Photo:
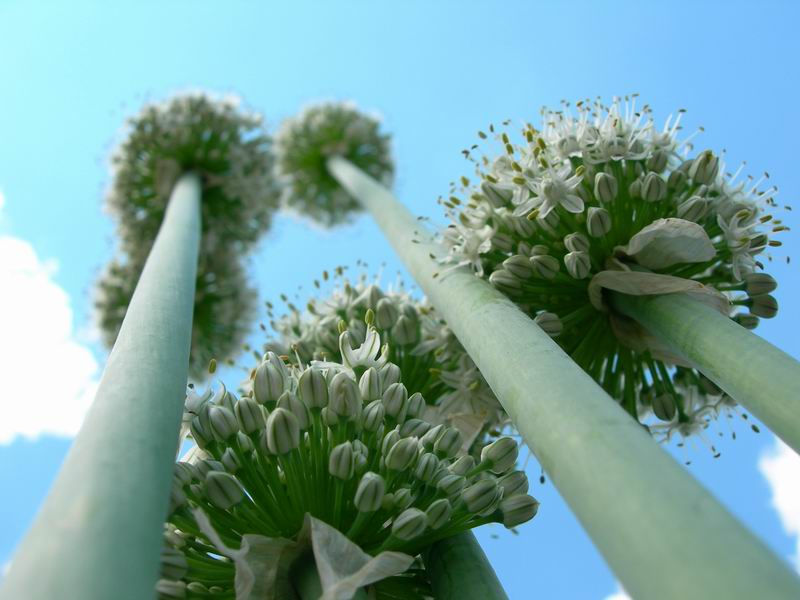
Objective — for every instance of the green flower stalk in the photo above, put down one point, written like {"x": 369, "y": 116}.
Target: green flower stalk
{"x": 599, "y": 203}
{"x": 303, "y": 146}
{"x": 344, "y": 443}
{"x": 430, "y": 357}
{"x": 230, "y": 152}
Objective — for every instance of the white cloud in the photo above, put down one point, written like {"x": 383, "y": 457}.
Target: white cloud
{"x": 781, "y": 468}
{"x": 48, "y": 378}
{"x": 619, "y": 594}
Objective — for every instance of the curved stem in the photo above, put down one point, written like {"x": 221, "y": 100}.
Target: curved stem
{"x": 459, "y": 570}
{"x": 753, "y": 372}
{"x": 99, "y": 533}
{"x": 661, "y": 532}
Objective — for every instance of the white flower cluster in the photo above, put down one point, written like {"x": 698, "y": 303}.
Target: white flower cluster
{"x": 432, "y": 360}
{"x": 601, "y": 200}
{"x": 306, "y": 142}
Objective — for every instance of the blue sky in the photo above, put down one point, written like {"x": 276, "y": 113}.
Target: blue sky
{"x": 437, "y": 72}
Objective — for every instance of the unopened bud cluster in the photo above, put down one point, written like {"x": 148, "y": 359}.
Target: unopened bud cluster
{"x": 305, "y": 143}
{"x": 434, "y": 362}
{"x": 351, "y": 450}
{"x": 601, "y": 188}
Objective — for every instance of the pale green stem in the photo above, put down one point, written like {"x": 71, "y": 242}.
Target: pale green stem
{"x": 305, "y": 580}
{"x": 459, "y": 570}
{"x": 752, "y": 371}
{"x": 661, "y": 532}
{"x": 99, "y": 533}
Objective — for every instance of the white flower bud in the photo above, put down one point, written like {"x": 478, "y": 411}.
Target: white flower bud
{"x": 518, "y": 509}
{"x": 270, "y": 379}
{"x": 370, "y": 385}
{"x": 345, "y": 400}
{"x": 390, "y": 373}
{"x": 329, "y": 418}
{"x": 519, "y": 266}
{"x": 513, "y": 483}
{"x": 654, "y": 188}
{"x": 416, "y": 405}
{"x": 451, "y": 485}
{"x": 283, "y": 431}
{"x": 502, "y": 242}
{"x": 758, "y": 284}
{"x": 200, "y": 428}
{"x": 389, "y": 440}
{"x": 386, "y": 314}
{"x": 438, "y": 513}
{"x": 394, "y": 400}
{"x": 405, "y": 331}
{"x": 746, "y": 320}
{"x": 657, "y": 161}
{"x": 501, "y": 454}
{"x": 341, "y": 463}
{"x": 372, "y": 416}
{"x": 245, "y": 443}
{"x": 693, "y": 209}
{"x": 677, "y": 180}
{"x": 313, "y": 389}
{"x": 205, "y": 466}
{"x": 361, "y": 463}
{"x": 172, "y": 590}
{"x": 402, "y": 454}
{"x": 223, "y": 423}
{"x": 429, "y": 439}
{"x": 230, "y": 460}
{"x": 598, "y": 221}
{"x": 197, "y": 587}
{"x": 764, "y": 306}
{"x": 704, "y": 168}
{"x": 498, "y": 195}
{"x": 414, "y": 428}
{"x": 578, "y": 264}
{"x": 504, "y": 280}
{"x": 480, "y": 495}
{"x": 250, "y": 415}
{"x": 664, "y": 407}
{"x": 550, "y": 323}
{"x": 544, "y": 265}
{"x": 449, "y": 443}
{"x": 370, "y": 491}
{"x": 462, "y": 465}
{"x": 403, "y": 498}
{"x": 576, "y": 242}
{"x": 184, "y": 472}
{"x": 223, "y": 490}
{"x": 411, "y": 523}
{"x": 290, "y": 402}
{"x": 635, "y": 189}
{"x": 225, "y": 398}
{"x": 605, "y": 187}
{"x": 426, "y": 468}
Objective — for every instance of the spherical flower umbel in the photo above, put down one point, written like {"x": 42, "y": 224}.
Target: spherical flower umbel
{"x": 224, "y": 306}
{"x": 436, "y": 368}
{"x": 600, "y": 199}
{"x": 382, "y": 486}
{"x": 226, "y": 146}
{"x": 305, "y": 143}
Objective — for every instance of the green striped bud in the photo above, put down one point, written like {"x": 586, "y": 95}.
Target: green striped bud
{"x": 223, "y": 423}
{"x": 550, "y": 323}
{"x": 704, "y": 168}
{"x": 405, "y": 331}
{"x": 270, "y": 379}
{"x": 403, "y": 498}
{"x": 411, "y": 523}
{"x": 223, "y": 490}
{"x": 605, "y": 187}
{"x": 426, "y": 468}
{"x": 173, "y": 563}
{"x": 370, "y": 385}
{"x": 290, "y": 402}
{"x": 345, "y": 400}
{"x": 414, "y": 428}
{"x": 341, "y": 463}
{"x": 500, "y": 455}
{"x": 250, "y": 415}
{"x": 372, "y": 416}
{"x": 505, "y": 280}
{"x": 312, "y": 388}
{"x": 390, "y": 373}
{"x": 389, "y": 440}
{"x": 576, "y": 242}
{"x": 518, "y": 510}
{"x": 513, "y": 483}
{"x": 598, "y": 221}
{"x": 416, "y": 406}
{"x": 519, "y": 266}
{"x": 386, "y": 314}
{"x": 664, "y": 407}
{"x": 283, "y": 431}
{"x": 578, "y": 264}
{"x": 230, "y": 460}
{"x": 370, "y": 491}
{"x": 402, "y": 454}
{"x": 438, "y": 513}
{"x": 429, "y": 439}
{"x": 394, "y": 400}
{"x": 462, "y": 465}
{"x": 764, "y": 306}
{"x": 693, "y": 209}
{"x": 758, "y": 284}
{"x": 654, "y": 188}
{"x": 480, "y": 495}
{"x": 545, "y": 266}
{"x": 451, "y": 485}
{"x": 449, "y": 443}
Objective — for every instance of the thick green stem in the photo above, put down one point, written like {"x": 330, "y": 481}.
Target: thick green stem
{"x": 306, "y": 583}
{"x": 661, "y": 532}
{"x": 752, "y": 371}
{"x": 99, "y": 533}
{"x": 459, "y": 570}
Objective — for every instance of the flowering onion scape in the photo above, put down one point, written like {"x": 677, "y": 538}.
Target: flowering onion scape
{"x": 602, "y": 200}
{"x": 432, "y": 360}
{"x": 303, "y": 146}
{"x": 224, "y": 306}
{"x": 343, "y": 442}
{"x": 232, "y": 155}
